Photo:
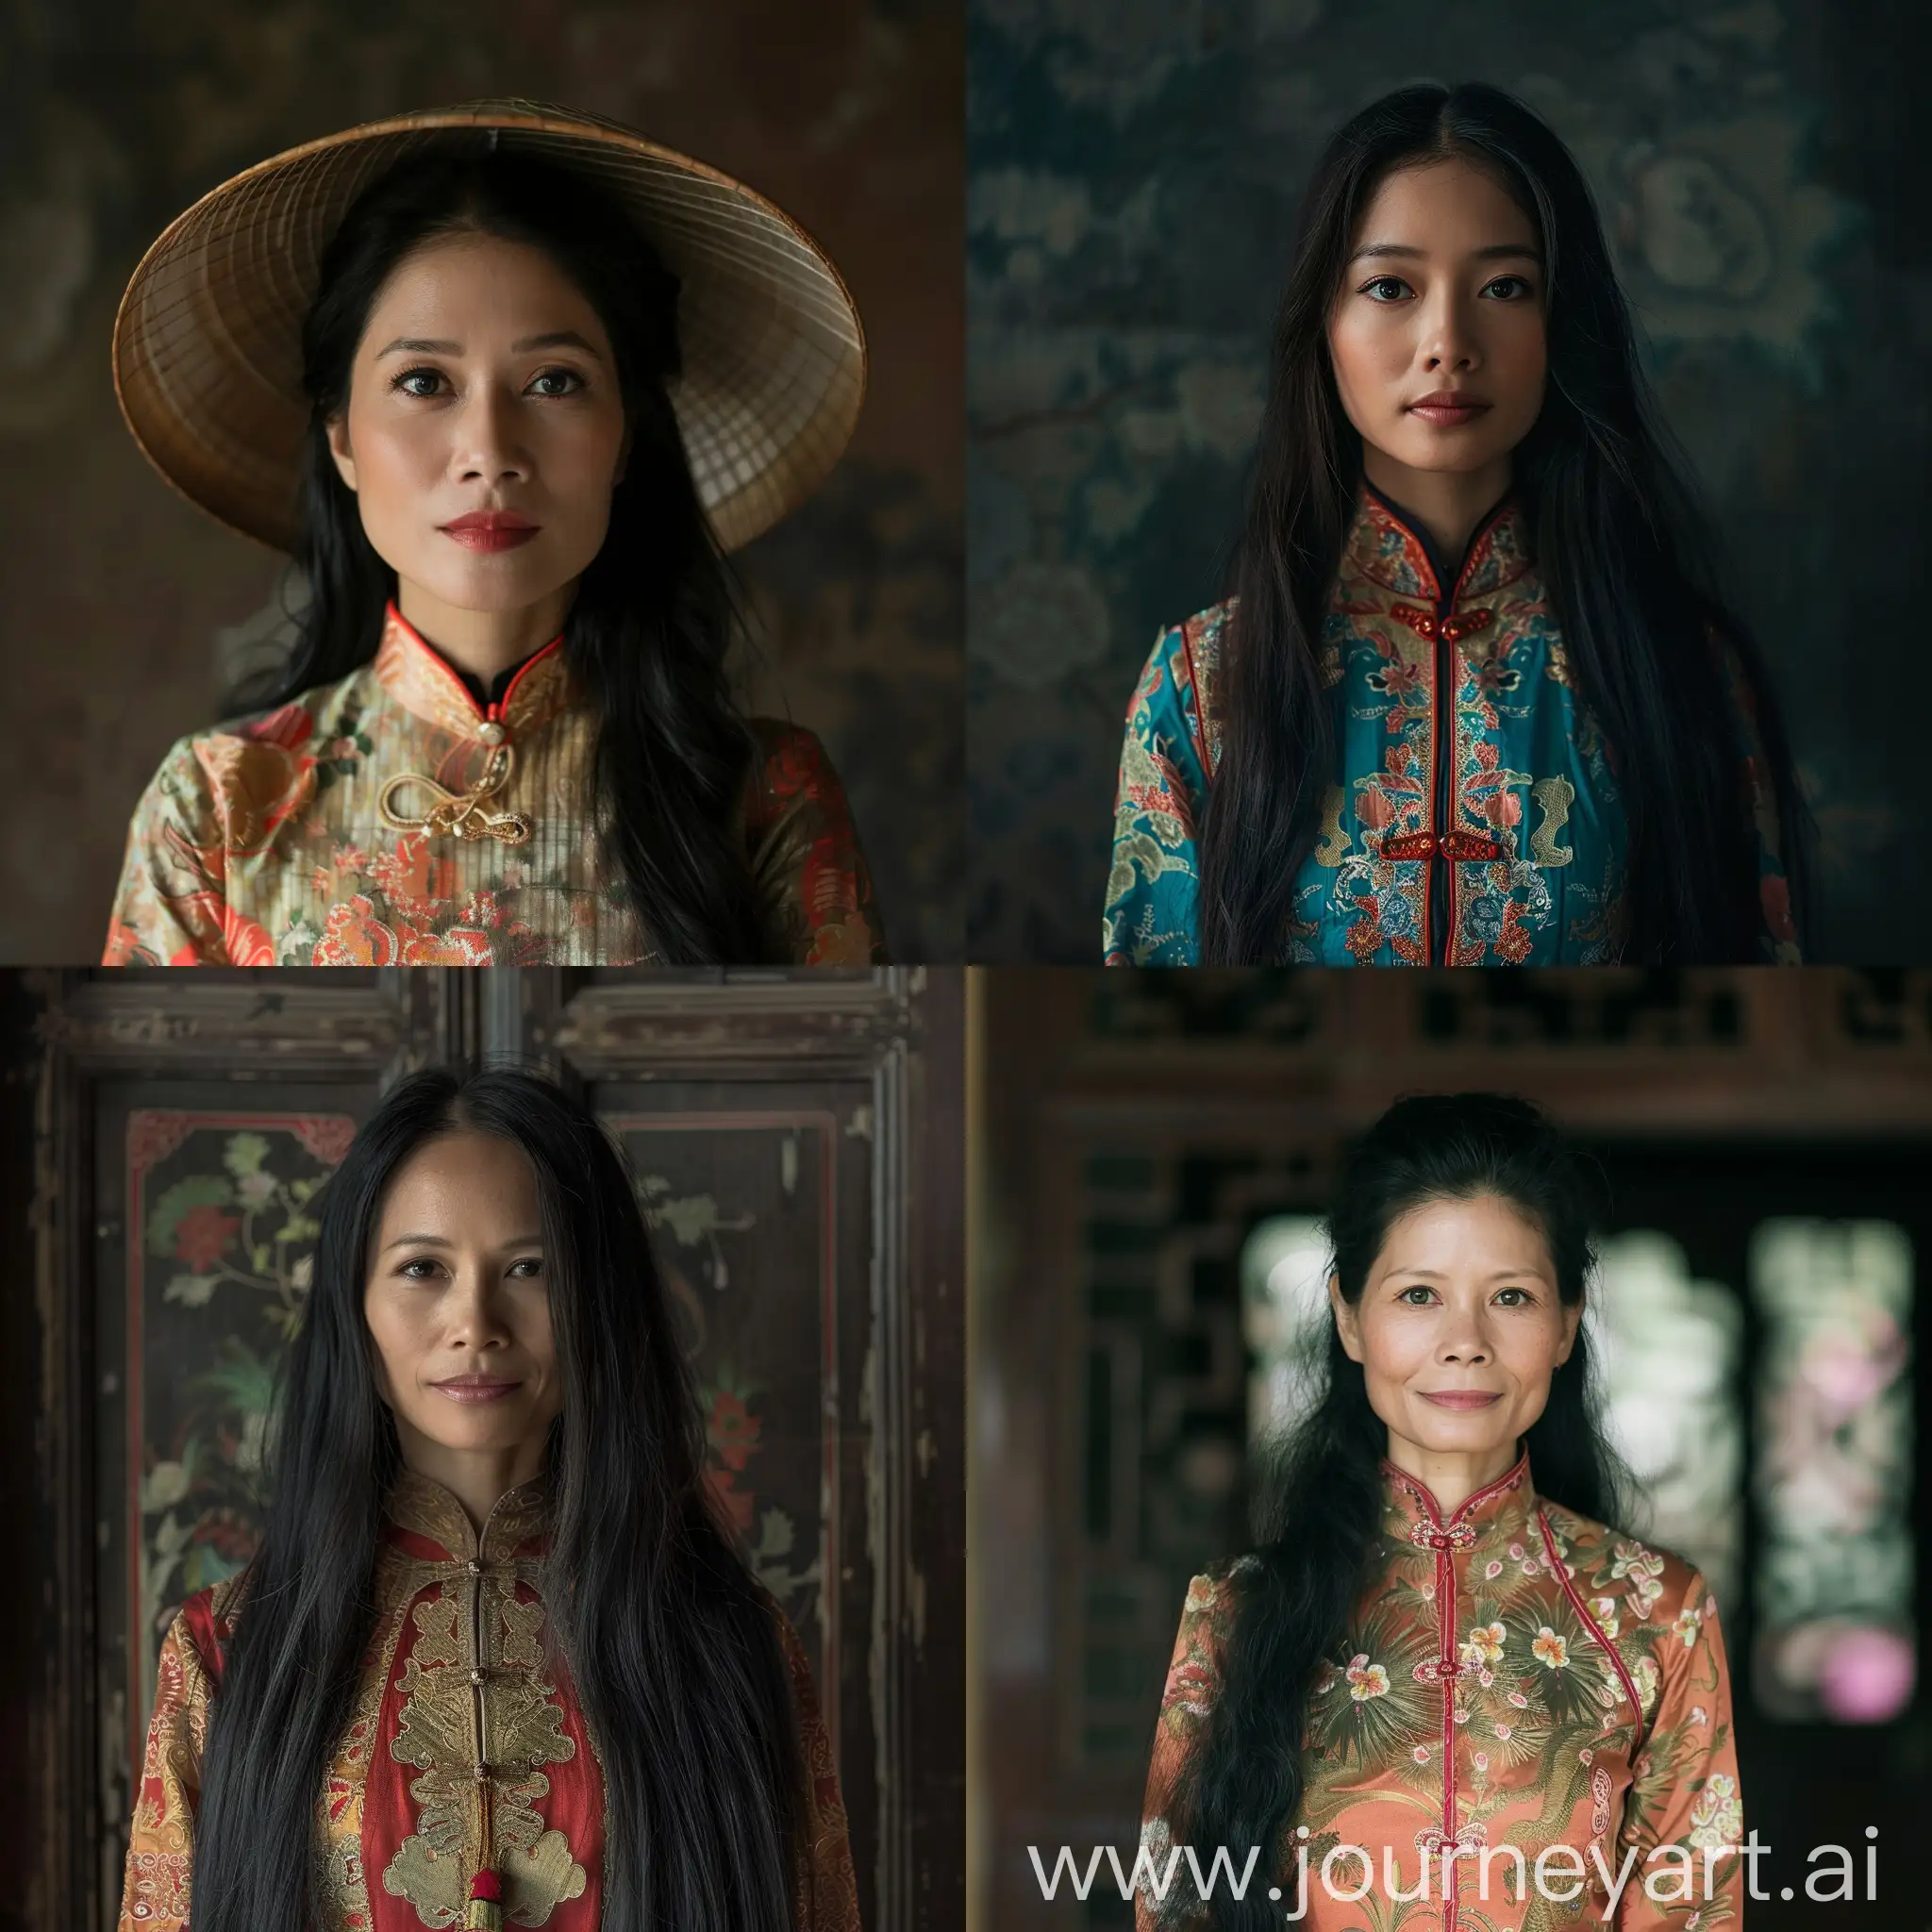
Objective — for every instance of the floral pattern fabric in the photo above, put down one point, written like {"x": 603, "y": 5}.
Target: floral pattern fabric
{"x": 308, "y": 835}
{"x": 455, "y": 1682}
{"x": 1475, "y": 817}
{"x": 1516, "y": 1679}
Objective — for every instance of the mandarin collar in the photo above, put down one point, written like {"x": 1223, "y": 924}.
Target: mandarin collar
{"x": 425, "y": 1508}
{"x": 426, "y": 685}
{"x": 1500, "y": 1511}
{"x": 1386, "y": 547}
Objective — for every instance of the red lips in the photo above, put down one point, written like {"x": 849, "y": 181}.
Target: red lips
{"x": 490, "y": 529}
{"x": 1447, "y": 407}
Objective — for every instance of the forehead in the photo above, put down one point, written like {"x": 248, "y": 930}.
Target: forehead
{"x": 480, "y": 285}
{"x": 1444, "y": 208}
{"x": 1483, "y": 1235}
{"x": 460, "y": 1182}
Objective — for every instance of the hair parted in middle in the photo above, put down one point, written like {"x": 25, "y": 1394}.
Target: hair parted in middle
{"x": 1616, "y": 530}
{"x": 671, "y": 1645}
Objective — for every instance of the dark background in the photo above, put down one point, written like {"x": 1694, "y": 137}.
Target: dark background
{"x": 117, "y": 114}
{"x": 1134, "y": 170}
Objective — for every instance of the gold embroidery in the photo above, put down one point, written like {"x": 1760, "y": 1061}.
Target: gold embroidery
{"x": 475, "y": 1621}
{"x": 1555, "y": 796}
{"x": 1333, "y": 846}
{"x": 341, "y": 1884}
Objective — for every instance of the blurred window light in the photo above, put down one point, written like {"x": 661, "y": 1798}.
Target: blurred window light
{"x": 1836, "y": 1637}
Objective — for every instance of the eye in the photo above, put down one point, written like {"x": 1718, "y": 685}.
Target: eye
{"x": 409, "y": 377}
{"x": 1418, "y": 1289}
{"x": 529, "y": 1269}
{"x": 1522, "y": 1294}
{"x": 1509, "y": 289}
{"x": 407, "y": 1270}
{"x": 565, "y": 375}
{"x": 1386, "y": 289}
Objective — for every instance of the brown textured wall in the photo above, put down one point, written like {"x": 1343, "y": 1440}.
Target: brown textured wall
{"x": 116, "y": 114}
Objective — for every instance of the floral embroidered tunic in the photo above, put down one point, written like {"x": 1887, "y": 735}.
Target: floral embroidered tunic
{"x": 1515, "y": 1678}
{"x": 391, "y": 820}
{"x": 1475, "y": 818}
{"x": 463, "y": 1750}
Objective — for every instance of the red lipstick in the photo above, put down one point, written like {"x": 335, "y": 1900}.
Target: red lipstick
{"x": 475, "y": 1388}
{"x": 1448, "y": 408}
{"x": 491, "y": 530}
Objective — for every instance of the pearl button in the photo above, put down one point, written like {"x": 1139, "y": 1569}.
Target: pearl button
{"x": 491, "y": 732}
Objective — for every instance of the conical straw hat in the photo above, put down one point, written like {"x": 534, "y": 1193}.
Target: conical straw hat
{"x": 208, "y": 357}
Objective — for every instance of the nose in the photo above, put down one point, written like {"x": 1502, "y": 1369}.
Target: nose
{"x": 1464, "y": 1342}
{"x": 476, "y": 1319}
{"x": 1448, "y": 343}
{"x": 487, "y": 446}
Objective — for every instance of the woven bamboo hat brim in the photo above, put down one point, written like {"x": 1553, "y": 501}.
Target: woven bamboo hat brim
{"x": 208, "y": 358}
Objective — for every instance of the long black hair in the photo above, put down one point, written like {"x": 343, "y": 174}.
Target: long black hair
{"x": 674, "y": 1653}
{"x": 655, "y": 612}
{"x": 1319, "y": 1504}
{"x": 1617, "y": 534}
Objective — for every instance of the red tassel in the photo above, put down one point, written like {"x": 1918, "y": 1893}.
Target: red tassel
{"x": 486, "y": 1903}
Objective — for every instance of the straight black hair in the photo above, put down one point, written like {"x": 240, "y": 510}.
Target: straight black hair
{"x": 653, "y": 614}
{"x": 1618, "y": 538}
{"x": 1319, "y": 1499}
{"x": 671, "y": 1645}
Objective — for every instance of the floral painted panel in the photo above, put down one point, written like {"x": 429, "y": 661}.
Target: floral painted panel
{"x": 219, "y": 1227}
{"x": 742, "y": 1206}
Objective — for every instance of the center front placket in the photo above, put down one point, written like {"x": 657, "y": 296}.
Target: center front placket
{"x": 1445, "y": 1538}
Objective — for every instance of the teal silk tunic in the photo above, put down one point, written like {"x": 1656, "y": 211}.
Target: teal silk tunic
{"x": 1474, "y": 818}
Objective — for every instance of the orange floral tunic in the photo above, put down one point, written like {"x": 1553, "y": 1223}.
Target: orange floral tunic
{"x": 390, "y": 819}
{"x": 1518, "y": 1682}
{"x": 453, "y": 1677}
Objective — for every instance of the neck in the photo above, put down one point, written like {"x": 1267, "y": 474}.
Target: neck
{"x": 1452, "y": 1476}
{"x": 483, "y": 642}
{"x": 475, "y": 1477}
{"x": 1448, "y": 503}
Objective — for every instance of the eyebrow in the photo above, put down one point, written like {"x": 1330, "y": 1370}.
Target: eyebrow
{"x": 423, "y": 345}
{"x": 1496, "y": 251}
{"x": 436, "y": 1241}
{"x": 1500, "y": 1274}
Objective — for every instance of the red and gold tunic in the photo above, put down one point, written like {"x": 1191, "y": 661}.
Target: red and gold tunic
{"x": 1517, "y": 1684}
{"x": 465, "y": 1749}
{"x": 390, "y": 819}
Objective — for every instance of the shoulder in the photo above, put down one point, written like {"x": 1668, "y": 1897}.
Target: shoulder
{"x": 790, "y": 761}
{"x": 1180, "y": 669}
{"x": 1638, "y": 1585}
{"x": 206, "y": 1622}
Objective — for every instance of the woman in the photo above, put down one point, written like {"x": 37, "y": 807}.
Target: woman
{"x": 494, "y": 1661}
{"x": 1441, "y": 1668}
{"x": 1473, "y": 699}
{"x": 442, "y": 360}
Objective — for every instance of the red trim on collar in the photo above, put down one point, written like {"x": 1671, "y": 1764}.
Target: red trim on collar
{"x": 435, "y": 657}
{"x": 1518, "y": 1473}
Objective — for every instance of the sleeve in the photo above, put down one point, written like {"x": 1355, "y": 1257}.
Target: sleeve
{"x": 1153, "y": 886}
{"x": 1684, "y": 1803}
{"x": 170, "y": 906}
{"x": 825, "y": 1888}
{"x": 1780, "y": 941}
{"x": 1164, "y": 1894}
{"x": 160, "y": 1845}
{"x": 807, "y": 859}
